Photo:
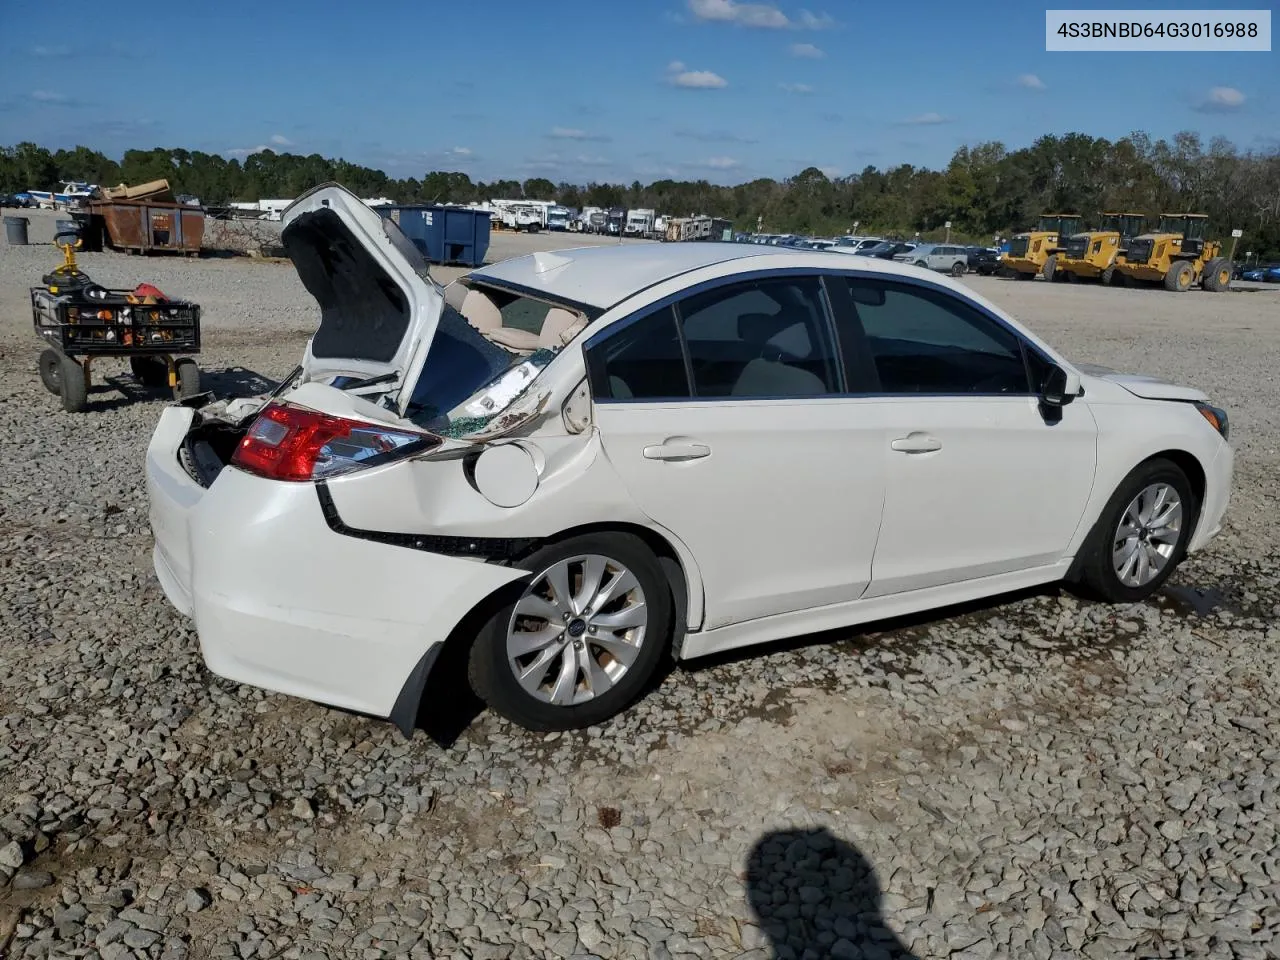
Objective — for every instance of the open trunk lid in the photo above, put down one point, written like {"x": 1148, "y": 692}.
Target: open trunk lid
{"x": 379, "y": 308}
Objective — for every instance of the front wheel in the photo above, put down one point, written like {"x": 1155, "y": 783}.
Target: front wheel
{"x": 1141, "y": 535}
{"x": 959, "y": 269}
{"x": 583, "y": 639}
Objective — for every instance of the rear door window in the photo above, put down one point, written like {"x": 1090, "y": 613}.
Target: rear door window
{"x": 641, "y": 361}
{"x": 760, "y": 339}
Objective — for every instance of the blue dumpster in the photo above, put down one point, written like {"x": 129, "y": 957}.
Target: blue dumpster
{"x": 456, "y": 235}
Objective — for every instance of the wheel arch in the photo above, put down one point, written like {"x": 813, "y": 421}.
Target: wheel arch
{"x": 439, "y": 663}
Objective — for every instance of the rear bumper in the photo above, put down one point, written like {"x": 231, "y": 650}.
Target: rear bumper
{"x": 281, "y": 601}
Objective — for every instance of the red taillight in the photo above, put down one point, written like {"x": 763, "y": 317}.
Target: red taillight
{"x": 293, "y": 443}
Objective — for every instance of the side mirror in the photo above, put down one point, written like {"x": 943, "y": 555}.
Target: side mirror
{"x": 1059, "y": 387}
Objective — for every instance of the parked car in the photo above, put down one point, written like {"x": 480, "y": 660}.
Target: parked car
{"x": 855, "y": 244}
{"x": 569, "y": 465}
{"x": 983, "y": 260}
{"x": 1267, "y": 273}
{"x": 885, "y": 249}
{"x": 19, "y": 200}
{"x": 937, "y": 256}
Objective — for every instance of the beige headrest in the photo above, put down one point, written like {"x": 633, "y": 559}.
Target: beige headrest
{"x": 559, "y": 327}
{"x": 481, "y": 312}
{"x": 454, "y": 294}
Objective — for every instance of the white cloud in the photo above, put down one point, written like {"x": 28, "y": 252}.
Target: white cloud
{"x": 762, "y": 15}
{"x": 743, "y": 14}
{"x": 811, "y": 21}
{"x": 830, "y": 173}
{"x": 722, "y": 163}
{"x": 41, "y": 50}
{"x": 280, "y": 140}
{"x": 806, "y": 51}
{"x": 1030, "y": 81}
{"x": 573, "y": 133}
{"x": 592, "y": 161}
{"x": 458, "y": 152}
{"x": 924, "y": 119}
{"x": 48, "y": 96}
{"x": 1221, "y": 100}
{"x": 247, "y": 151}
{"x": 694, "y": 79}
{"x": 795, "y": 87}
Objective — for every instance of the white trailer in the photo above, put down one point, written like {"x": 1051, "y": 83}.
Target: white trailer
{"x": 640, "y": 223}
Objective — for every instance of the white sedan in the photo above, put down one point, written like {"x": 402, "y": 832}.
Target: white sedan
{"x": 578, "y": 464}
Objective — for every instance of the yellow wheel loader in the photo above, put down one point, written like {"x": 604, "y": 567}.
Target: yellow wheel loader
{"x": 1029, "y": 253}
{"x": 1093, "y": 255}
{"x": 1178, "y": 255}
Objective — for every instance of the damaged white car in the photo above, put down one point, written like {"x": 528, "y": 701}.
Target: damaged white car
{"x": 579, "y": 464}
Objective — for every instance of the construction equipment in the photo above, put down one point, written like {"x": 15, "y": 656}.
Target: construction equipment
{"x": 1093, "y": 254}
{"x": 1178, "y": 255}
{"x": 1029, "y": 252}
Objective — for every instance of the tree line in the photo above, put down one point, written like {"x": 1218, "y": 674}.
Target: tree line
{"x": 986, "y": 190}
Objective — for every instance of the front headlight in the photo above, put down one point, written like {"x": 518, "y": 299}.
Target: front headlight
{"x": 1217, "y": 418}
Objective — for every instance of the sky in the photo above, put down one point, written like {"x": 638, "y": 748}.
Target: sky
{"x": 604, "y": 90}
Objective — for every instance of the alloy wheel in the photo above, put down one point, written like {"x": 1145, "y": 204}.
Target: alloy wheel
{"x": 577, "y": 630}
{"x": 1147, "y": 535}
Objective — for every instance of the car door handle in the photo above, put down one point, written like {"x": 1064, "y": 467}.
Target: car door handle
{"x": 676, "y": 450}
{"x": 917, "y": 443}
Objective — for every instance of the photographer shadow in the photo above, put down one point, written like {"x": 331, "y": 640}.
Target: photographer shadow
{"x": 815, "y": 895}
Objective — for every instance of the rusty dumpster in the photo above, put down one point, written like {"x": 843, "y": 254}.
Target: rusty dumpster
{"x": 141, "y": 226}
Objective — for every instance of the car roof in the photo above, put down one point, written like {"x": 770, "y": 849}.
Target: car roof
{"x": 600, "y": 277}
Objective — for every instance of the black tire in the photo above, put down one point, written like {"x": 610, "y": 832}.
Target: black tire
{"x": 51, "y": 371}
{"x": 75, "y": 392}
{"x": 1024, "y": 275}
{"x": 1107, "y": 277}
{"x": 1096, "y": 574}
{"x": 923, "y": 264}
{"x": 1051, "y": 267}
{"x": 188, "y": 384}
{"x": 1217, "y": 275}
{"x": 959, "y": 268}
{"x": 491, "y": 675}
{"x": 1180, "y": 276}
{"x": 150, "y": 371}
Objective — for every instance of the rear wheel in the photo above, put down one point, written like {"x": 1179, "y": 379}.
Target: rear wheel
{"x": 51, "y": 371}
{"x": 959, "y": 268}
{"x": 1023, "y": 275}
{"x": 1107, "y": 277}
{"x": 71, "y": 379}
{"x": 1141, "y": 535}
{"x": 1217, "y": 275}
{"x": 188, "y": 384}
{"x": 1179, "y": 277}
{"x": 1051, "y": 267}
{"x": 583, "y": 639}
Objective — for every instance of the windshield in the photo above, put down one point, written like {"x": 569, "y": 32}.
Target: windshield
{"x": 1172, "y": 224}
{"x": 484, "y": 356}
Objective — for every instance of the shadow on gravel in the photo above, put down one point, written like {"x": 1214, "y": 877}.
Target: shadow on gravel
{"x": 816, "y": 895}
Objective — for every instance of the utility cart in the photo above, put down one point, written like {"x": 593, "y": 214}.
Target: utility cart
{"x": 81, "y": 321}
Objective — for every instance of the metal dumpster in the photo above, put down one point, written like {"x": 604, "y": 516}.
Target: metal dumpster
{"x": 142, "y": 226}
{"x": 455, "y": 235}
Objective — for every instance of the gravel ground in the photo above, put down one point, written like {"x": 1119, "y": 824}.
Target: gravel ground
{"x": 1038, "y": 777}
